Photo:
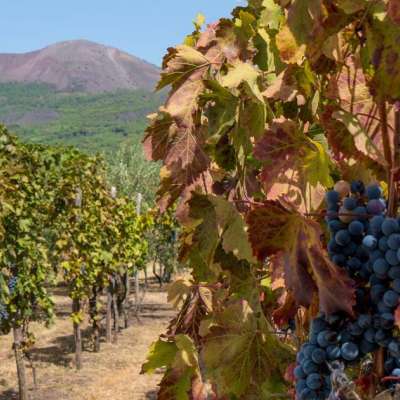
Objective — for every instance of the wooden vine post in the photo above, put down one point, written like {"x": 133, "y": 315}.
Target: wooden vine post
{"x": 19, "y": 359}
{"x": 95, "y": 319}
{"x": 125, "y": 304}
{"x": 137, "y": 286}
{"x": 109, "y": 317}
{"x": 111, "y": 297}
{"x": 76, "y": 307}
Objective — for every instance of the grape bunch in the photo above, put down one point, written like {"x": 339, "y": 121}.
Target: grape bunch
{"x": 383, "y": 242}
{"x": 348, "y": 210}
{"x": 3, "y": 312}
{"x": 355, "y": 214}
{"x": 334, "y": 338}
{"x": 12, "y": 284}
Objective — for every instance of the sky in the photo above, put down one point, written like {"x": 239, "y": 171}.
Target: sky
{"x": 144, "y": 28}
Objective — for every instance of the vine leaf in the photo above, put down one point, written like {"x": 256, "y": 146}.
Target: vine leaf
{"x": 289, "y": 50}
{"x": 352, "y": 120}
{"x": 243, "y": 73}
{"x": 351, "y": 6}
{"x": 240, "y": 351}
{"x": 394, "y": 11}
{"x": 383, "y": 37}
{"x": 361, "y": 139}
{"x": 309, "y": 25}
{"x": 181, "y": 360}
{"x": 272, "y": 15}
{"x": 308, "y": 270}
{"x": 292, "y": 165}
{"x": 179, "y": 63}
{"x": 178, "y": 292}
{"x": 174, "y": 135}
{"x": 217, "y": 222}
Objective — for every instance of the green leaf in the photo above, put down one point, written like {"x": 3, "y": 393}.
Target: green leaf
{"x": 180, "y": 63}
{"x": 240, "y": 73}
{"x": 199, "y": 21}
{"x": 161, "y": 354}
{"x": 272, "y": 15}
{"x": 317, "y": 165}
{"x": 241, "y": 353}
{"x": 218, "y": 222}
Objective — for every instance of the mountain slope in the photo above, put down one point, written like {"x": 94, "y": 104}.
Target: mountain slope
{"x": 97, "y": 122}
{"x": 79, "y": 65}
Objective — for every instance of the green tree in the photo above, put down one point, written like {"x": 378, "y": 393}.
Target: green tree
{"x": 130, "y": 173}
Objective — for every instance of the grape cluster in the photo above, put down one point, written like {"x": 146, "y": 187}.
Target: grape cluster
{"x": 355, "y": 217}
{"x": 348, "y": 210}
{"x": 384, "y": 245}
{"x": 334, "y": 338}
{"x": 3, "y": 313}
{"x": 12, "y": 284}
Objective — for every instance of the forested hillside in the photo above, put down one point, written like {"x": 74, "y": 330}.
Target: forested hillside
{"x": 92, "y": 122}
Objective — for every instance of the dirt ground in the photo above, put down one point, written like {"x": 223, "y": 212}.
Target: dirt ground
{"x": 112, "y": 374}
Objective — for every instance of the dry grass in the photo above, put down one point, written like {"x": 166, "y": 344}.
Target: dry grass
{"x": 112, "y": 374}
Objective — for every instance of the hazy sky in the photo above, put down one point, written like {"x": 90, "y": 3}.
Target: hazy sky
{"x": 144, "y": 28}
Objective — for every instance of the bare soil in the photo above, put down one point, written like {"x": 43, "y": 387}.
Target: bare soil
{"x": 112, "y": 374}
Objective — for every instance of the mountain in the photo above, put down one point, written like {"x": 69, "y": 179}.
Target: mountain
{"x": 79, "y": 66}
{"x": 78, "y": 93}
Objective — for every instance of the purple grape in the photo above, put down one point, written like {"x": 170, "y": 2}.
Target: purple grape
{"x": 299, "y": 372}
{"x": 390, "y": 226}
{"x": 332, "y": 197}
{"x": 373, "y": 192}
{"x": 349, "y": 351}
{"x": 375, "y": 224}
{"x": 356, "y": 228}
{"x": 380, "y": 266}
{"x": 394, "y": 241}
{"x": 383, "y": 244}
{"x": 391, "y": 257}
{"x": 357, "y": 187}
{"x": 342, "y": 237}
{"x": 314, "y": 381}
{"x": 370, "y": 242}
{"x": 350, "y": 203}
{"x": 391, "y": 298}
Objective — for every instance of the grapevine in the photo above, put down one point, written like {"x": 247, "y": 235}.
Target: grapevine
{"x": 269, "y": 112}
{"x": 58, "y": 221}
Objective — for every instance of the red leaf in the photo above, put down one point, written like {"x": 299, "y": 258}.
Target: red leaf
{"x": 286, "y": 311}
{"x": 283, "y": 150}
{"x": 308, "y": 270}
{"x": 394, "y": 11}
